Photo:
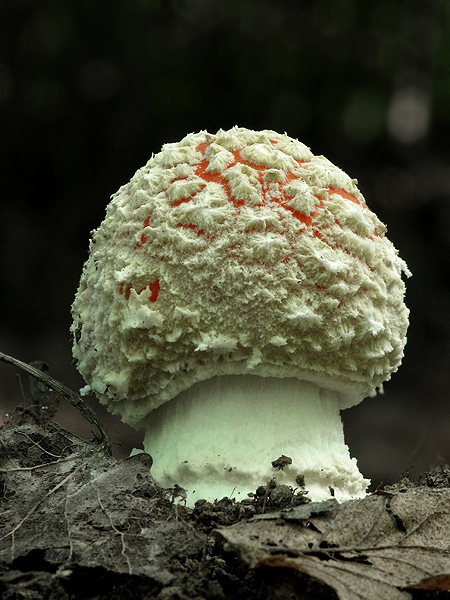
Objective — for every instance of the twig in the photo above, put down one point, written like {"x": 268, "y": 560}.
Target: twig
{"x": 64, "y": 392}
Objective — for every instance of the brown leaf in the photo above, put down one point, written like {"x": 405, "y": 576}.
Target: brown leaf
{"x": 71, "y": 503}
{"x": 439, "y": 582}
{"x": 373, "y": 548}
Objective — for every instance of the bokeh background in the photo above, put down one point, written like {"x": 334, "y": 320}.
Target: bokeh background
{"x": 89, "y": 89}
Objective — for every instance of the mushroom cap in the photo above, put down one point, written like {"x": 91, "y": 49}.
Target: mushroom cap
{"x": 234, "y": 253}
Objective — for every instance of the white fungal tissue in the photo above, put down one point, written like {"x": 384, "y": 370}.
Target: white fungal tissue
{"x": 238, "y": 252}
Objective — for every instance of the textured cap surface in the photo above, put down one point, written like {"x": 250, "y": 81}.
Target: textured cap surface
{"x": 239, "y": 252}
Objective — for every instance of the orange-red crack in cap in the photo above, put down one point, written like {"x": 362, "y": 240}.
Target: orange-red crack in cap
{"x": 233, "y": 253}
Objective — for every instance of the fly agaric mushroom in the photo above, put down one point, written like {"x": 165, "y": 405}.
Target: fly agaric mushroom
{"x": 237, "y": 296}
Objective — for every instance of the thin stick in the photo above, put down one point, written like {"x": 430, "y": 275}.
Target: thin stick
{"x": 63, "y": 391}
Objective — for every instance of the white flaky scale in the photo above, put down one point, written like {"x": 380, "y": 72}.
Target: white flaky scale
{"x": 237, "y": 296}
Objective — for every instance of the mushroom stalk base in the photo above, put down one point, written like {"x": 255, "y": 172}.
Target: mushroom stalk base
{"x": 219, "y": 438}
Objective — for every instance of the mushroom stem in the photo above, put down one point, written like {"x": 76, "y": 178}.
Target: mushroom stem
{"x": 219, "y": 437}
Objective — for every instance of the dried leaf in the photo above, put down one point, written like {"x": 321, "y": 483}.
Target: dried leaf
{"x": 74, "y": 519}
{"x": 374, "y": 548}
{"x": 439, "y": 582}
{"x": 71, "y": 503}
{"x": 300, "y": 513}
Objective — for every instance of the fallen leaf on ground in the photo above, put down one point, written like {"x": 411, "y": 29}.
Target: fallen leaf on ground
{"x": 374, "y": 548}
{"x": 77, "y": 523}
{"x": 67, "y": 502}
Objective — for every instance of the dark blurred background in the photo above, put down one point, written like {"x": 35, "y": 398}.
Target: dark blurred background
{"x": 90, "y": 89}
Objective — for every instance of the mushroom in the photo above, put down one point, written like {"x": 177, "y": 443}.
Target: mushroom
{"x": 239, "y": 294}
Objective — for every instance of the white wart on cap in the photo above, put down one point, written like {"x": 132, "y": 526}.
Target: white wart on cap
{"x": 238, "y": 294}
